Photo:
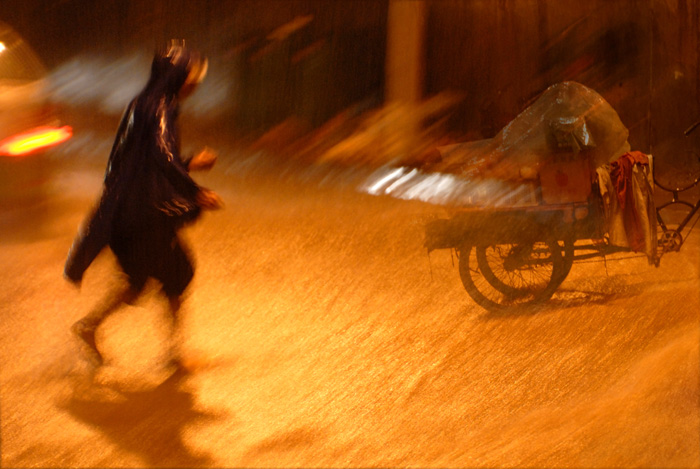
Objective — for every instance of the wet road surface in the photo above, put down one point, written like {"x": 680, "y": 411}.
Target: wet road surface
{"x": 325, "y": 336}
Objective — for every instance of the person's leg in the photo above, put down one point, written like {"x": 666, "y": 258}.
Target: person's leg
{"x": 174, "y": 305}
{"x": 86, "y": 327}
{"x": 176, "y": 359}
{"x": 175, "y": 277}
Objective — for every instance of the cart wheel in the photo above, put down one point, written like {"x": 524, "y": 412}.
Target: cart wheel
{"x": 504, "y": 275}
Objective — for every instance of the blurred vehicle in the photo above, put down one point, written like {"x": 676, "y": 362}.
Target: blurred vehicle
{"x": 29, "y": 123}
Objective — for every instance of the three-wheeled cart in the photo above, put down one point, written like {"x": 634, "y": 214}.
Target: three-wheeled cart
{"x": 511, "y": 256}
{"x": 519, "y": 254}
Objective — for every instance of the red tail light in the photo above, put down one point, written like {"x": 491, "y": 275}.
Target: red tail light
{"x": 35, "y": 139}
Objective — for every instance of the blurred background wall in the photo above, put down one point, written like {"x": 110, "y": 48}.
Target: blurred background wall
{"x": 641, "y": 55}
{"x": 312, "y": 59}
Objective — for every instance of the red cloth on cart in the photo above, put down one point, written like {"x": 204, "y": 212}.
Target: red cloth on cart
{"x": 621, "y": 176}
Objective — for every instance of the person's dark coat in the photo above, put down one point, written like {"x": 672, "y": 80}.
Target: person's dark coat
{"x": 148, "y": 193}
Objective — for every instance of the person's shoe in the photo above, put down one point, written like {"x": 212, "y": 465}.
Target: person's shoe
{"x": 86, "y": 334}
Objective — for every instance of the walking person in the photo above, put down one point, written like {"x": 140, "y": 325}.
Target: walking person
{"x": 148, "y": 195}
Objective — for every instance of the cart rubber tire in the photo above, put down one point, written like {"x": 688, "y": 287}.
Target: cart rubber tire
{"x": 567, "y": 247}
{"x": 568, "y": 257}
{"x": 490, "y": 292}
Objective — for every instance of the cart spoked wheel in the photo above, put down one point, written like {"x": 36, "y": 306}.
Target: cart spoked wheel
{"x": 500, "y": 276}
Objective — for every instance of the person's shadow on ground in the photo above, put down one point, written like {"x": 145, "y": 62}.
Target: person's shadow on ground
{"x": 147, "y": 423}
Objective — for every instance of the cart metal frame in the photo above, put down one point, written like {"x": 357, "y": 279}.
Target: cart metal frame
{"x": 518, "y": 256}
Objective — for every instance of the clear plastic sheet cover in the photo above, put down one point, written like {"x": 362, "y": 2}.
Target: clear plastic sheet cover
{"x": 567, "y": 117}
